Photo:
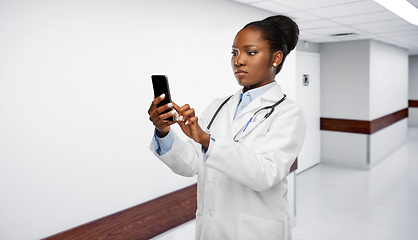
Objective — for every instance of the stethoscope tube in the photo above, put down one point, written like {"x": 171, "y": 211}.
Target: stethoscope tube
{"x": 246, "y": 125}
{"x": 216, "y": 113}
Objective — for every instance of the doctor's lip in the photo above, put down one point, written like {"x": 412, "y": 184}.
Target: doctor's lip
{"x": 240, "y": 73}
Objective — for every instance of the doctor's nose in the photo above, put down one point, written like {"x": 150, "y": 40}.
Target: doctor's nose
{"x": 239, "y": 62}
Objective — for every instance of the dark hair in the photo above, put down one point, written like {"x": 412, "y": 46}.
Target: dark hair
{"x": 280, "y": 31}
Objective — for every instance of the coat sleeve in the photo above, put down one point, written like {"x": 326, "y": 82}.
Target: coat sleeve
{"x": 271, "y": 161}
{"x": 182, "y": 158}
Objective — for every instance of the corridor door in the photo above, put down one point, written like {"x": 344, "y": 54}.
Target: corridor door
{"x": 308, "y": 96}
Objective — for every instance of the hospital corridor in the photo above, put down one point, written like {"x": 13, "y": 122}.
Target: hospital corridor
{"x": 296, "y": 119}
{"x": 345, "y": 204}
{"x": 335, "y": 202}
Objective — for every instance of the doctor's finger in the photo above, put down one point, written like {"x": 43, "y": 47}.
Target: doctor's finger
{"x": 161, "y": 115}
{"x": 177, "y": 108}
{"x": 161, "y": 121}
{"x": 172, "y": 113}
{"x": 155, "y": 102}
{"x": 183, "y": 108}
{"x": 164, "y": 108}
{"x": 155, "y": 112}
{"x": 182, "y": 111}
{"x": 192, "y": 122}
{"x": 188, "y": 114}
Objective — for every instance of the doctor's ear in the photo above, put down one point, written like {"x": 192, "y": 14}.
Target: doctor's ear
{"x": 277, "y": 58}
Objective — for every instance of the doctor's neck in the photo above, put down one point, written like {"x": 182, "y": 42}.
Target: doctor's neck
{"x": 247, "y": 88}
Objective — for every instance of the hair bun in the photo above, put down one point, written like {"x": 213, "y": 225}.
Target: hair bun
{"x": 288, "y": 27}
{"x": 281, "y": 32}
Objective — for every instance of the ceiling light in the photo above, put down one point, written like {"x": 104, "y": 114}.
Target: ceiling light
{"x": 343, "y": 34}
{"x": 402, "y": 8}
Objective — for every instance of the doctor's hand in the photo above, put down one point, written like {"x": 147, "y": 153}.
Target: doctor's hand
{"x": 157, "y": 116}
{"x": 189, "y": 125}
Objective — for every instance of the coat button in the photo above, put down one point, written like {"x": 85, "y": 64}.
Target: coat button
{"x": 211, "y": 213}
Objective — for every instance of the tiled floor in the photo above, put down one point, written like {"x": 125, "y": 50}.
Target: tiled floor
{"x": 347, "y": 204}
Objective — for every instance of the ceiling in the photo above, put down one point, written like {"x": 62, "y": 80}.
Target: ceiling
{"x": 319, "y": 20}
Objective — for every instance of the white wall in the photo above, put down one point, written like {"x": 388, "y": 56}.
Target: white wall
{"x": 286, "y": 77}
{"x": 345, "y": 80}
{"x": 380, "y": 145}
{"x": 413, "y": 117}
{"x": 388, "y": 94}
{"x": 185, "y": 231}
{"x": 413, "y": 77}
{"x": 362, "y": 80}
{"x": 305, "y": 46}
{"x": 361, "y": 150}
{"x": 413, "y": 89}
{"x": 74, "y": 92}
{"x": 388, "y": 79}
{"x": 347, "y": 149}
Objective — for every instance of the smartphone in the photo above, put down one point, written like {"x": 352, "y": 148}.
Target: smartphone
{"x": 160, "y": 85}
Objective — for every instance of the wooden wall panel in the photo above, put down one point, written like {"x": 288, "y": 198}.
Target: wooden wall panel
{"x": 413, "y": 103}
{"x": 345, "y": 125}
{"x": 388, "y": 120}
{"x": 144, "y": 221}
{"x": 363, "y": 127}
{"x": 294, "y": 165}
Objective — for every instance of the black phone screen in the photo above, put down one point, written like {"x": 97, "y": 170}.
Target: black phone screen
{"x": 160, "y": 85}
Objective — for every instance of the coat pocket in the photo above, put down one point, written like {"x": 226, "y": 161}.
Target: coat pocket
{"x": 251, "y": 227}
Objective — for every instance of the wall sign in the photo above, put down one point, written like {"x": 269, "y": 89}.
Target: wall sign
{"x": 306, "y": 80}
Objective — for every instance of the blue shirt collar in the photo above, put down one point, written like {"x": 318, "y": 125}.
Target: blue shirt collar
{"x": 257, "y": 92}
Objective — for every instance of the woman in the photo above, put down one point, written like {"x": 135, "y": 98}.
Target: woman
{"x": 242, "y": 165}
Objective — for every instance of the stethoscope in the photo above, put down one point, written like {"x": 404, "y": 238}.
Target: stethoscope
{"x": 242, "y": 133}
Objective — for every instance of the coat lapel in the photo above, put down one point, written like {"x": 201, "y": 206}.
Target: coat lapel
{"x": 273, "y": 95}
{"x": 232, "y": 105}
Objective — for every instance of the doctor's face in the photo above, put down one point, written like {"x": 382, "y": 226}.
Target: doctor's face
{"x": 252, "y": 60}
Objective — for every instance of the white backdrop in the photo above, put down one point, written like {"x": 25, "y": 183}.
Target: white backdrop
{"x": 74, "y": 92}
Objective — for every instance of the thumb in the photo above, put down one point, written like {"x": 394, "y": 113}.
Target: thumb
{"x": 194, "y": 126}
{"x": 192, "y": 122}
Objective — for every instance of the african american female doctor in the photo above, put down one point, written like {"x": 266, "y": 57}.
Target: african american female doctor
{"x": 254, "y": 136}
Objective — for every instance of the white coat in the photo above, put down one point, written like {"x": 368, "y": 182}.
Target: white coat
{"x": 242, "y": 186}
